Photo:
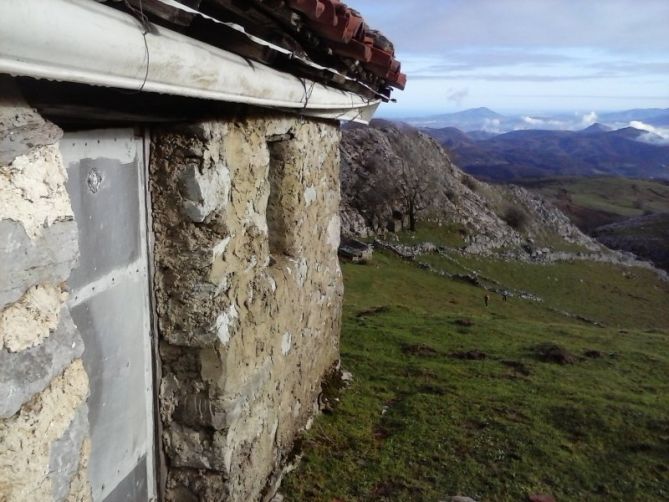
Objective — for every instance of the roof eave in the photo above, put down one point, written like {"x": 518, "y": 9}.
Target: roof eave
{"x": 87, "y": 42}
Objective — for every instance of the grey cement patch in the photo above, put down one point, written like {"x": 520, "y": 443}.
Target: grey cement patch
{"x": 133, "y": 488}
{"x": 109, "y": 302}
{"x": 105, "y": 198}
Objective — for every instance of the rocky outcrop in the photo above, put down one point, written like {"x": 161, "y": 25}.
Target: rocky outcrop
{"x": 645, "y": 236}
{"x": 248, "y": 291}
{"x": 393, "y": 174}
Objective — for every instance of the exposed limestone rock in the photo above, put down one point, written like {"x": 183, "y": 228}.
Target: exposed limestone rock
{"x": 24, "y": 373}
{"x": 392, "y": 170}
{"x": 45, "y": 260}
{"x": 30, "y": 320}
{"x": 80, "y": 488}
{"x": 248, "y": 296}
{"x": 65, "y": 455}
{"x": 21, "y": 127}
{"x": 27, "y": 437}
{"x": 32, "y": 190}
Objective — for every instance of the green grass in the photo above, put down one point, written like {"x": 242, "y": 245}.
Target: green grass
{"x": 449, "y": 235}
{"x": 595, "y": 201}
{"x": 419, "y": 423}
{"x": 621, "y": 196}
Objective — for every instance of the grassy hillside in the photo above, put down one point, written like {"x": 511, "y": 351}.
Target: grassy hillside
{"x": 450, "y": 397}
{"x": 592, "y": 202}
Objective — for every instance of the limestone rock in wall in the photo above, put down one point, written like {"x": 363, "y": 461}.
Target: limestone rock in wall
{"x": 29, "y": 321}
{"x": 27, "y": 437}
{"x": 32, "y": 190}
{"x": 38, "y": 249}
{"x": 27, "y": 262}
{"x": 24, "y": 373}
{"x": 43, "y": 413}
{"x": 248, "y": 295}
{"x": 65, "y": 454}
{"x": 21, "y": 127}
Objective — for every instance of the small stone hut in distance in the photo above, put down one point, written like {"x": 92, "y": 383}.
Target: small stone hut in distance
{"x": 169, "y": 286}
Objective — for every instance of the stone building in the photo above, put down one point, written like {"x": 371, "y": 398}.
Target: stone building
{"x": 169, "y": 286}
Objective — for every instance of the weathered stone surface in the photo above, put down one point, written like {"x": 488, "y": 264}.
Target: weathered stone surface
{"x": 64, "y": 458}
{"x": 22, "y": 374}
{"x": 26, "y": 262}
{"x": 27, "y": 322}
{"x": 248, "y": 295}
{"x": 21, "y": 127}
{"x": 80, "y": 488}
{"x": 44, "y": 386}
{"x": 391, "y": 171}
{"x": 27, "y": 437}
{"x": 32, "y": 190}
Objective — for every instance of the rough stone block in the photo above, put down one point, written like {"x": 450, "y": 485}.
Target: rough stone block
{"x": 27, "y": 322}
{"x": 48, "y": 259}
{"x": 249, "y": 295}
{"x": 27, "y": 437}
{"x": 64, "y": 457}
{"x": 21, "y": 127}
{"x": 25, "y": 373}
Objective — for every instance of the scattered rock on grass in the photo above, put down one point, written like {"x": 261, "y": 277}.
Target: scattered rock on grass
{"x": 517, "y": 367}
{"x": 470, "y": 355}
{"x": 553, "y": 353}
{"x": 459, "y": 498}
{"x": 373, "y": 311}
{"x": 540, "y": 498}
{"x": 419, "y": 349}
{"x": 593, "y": 354}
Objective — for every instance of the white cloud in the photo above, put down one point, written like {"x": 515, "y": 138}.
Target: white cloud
{"x": 492, "y": 125}
{"x": 457, "y": 95}
{"x": 589, "y": 119}
{"x": 654, "y": 135}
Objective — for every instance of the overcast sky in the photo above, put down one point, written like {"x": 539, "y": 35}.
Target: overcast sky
{"x": 527, "y": 56}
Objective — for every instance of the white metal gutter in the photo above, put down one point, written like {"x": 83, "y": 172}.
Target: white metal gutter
{"x": 86, "y": 42}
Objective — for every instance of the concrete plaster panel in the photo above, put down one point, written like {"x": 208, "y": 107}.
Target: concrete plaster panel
{"x": 105, "y": 199}
{"x": 110, "y": 305}
{"x": 133, "y": 488}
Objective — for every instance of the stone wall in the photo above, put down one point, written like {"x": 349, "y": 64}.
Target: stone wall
{"x": 249, "y": 294}
{"x": 43, "y": 414}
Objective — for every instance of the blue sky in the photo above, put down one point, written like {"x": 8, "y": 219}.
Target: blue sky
{"x": 526, "y": 56}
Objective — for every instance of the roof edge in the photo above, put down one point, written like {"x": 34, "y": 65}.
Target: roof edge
{"x": 86, "y": 42}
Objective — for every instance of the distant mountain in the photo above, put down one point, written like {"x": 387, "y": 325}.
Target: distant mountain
{"x": 641, "y": 114}
{"x": 487, "y": 120}
{"x": 524, "y": 154}
{"x": 475, "y": 118}
{"x": 480, "y": 135}
{"x": 660, "y": 121}
{"x": 475, "y": 114}
{"x": 450, "y": 137}
{"x": 596, "y": 128}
